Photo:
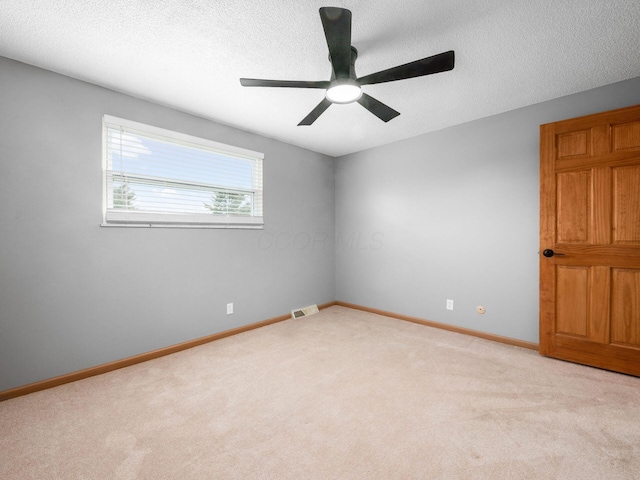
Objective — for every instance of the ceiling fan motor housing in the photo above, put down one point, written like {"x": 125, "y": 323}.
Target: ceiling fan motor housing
{"x": 347, "y": 89}
{"x": 352, "y": 67}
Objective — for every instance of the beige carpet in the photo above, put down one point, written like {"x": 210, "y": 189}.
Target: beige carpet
{"x": 339, "y": 395}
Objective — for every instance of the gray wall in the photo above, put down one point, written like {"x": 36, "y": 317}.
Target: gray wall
{"x": 450, "y": 214}
{"x": 453, "y": 214}
{"x": 75, "y": 295}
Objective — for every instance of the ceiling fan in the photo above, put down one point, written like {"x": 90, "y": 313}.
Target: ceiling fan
{"x": 344, "y": 86}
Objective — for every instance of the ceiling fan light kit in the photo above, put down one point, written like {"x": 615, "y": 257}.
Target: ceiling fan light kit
{"x": 344, "y": 86}
{"x": 347, "y": 92}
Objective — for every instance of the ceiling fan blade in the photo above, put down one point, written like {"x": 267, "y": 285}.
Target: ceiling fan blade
{"x": 316, "y": 112}
{"x": 435, "y": 64}
{"x": 337, "y": 30}
{"x": 256, "y": 82}
{"x": 379, "y": 109}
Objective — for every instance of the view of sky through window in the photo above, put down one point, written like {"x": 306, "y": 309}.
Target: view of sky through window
{"x": 150, "y": 174}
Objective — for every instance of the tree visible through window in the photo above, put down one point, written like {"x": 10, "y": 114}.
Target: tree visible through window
{"x": 227, "y": 203}
{"x": 159, "y": 177}
{"x": 123, "y": 197}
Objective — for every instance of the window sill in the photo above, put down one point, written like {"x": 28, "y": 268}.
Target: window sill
{"x": 175, "y": 225}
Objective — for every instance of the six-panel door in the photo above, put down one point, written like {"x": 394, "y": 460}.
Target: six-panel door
{"x": 590, "y": 218}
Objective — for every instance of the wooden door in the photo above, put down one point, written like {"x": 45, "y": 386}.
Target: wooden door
{"x": 590, "y": 229}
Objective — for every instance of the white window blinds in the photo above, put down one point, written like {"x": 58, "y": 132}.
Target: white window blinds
{"x": 156, "y": 177}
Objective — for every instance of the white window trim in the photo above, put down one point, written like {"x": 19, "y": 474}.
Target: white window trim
{"x": 128, "y": 218}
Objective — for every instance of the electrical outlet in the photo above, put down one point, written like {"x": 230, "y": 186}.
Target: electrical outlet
{"x": 229, "y": 308}
{"x": 449, "y": 304}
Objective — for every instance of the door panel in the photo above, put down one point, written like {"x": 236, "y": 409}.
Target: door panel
{"x": 572, "y": 310}
{"x": 590, "y": 218}
{"x": 626, "y": 205}
{"x": 626, "y": 136}
{"x": 574, "y": 144}
{"x": 625, "y": 311}
{"x": 574, "y": 207}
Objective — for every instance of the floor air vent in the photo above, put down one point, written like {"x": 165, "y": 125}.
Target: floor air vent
{"x": 304, "y": 311}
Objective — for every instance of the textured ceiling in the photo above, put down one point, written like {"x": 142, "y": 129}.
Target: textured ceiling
{"x": 189, "y": 55}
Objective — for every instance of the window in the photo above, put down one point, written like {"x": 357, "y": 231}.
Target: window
{"x": 156, "y": 177}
